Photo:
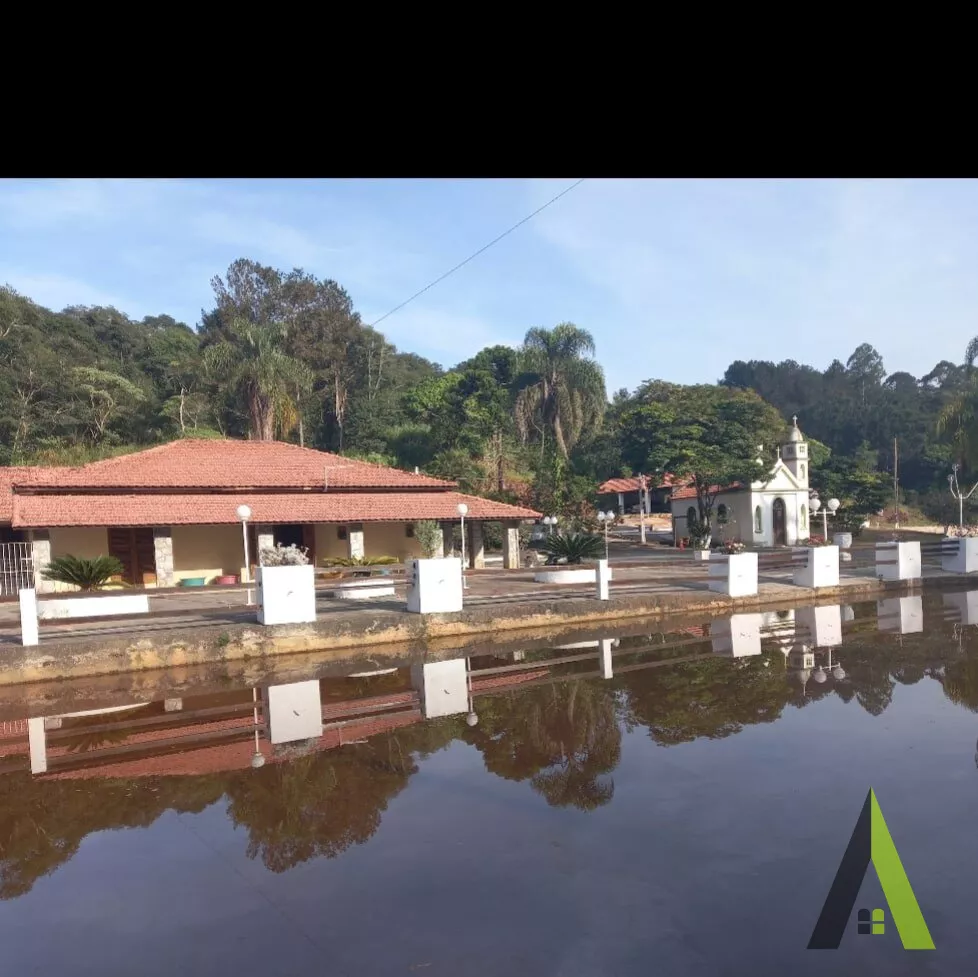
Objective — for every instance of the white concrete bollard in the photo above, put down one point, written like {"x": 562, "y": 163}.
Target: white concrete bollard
{"x": 898, "y": 561}
{"x": 821, "y": 568}
{"x": 434, "y": 586}
{"x": 962, "y": 560}
{"x": 734, "y": 575}
{"x": 603, "y": 576}
{"x": 28, "y": 617}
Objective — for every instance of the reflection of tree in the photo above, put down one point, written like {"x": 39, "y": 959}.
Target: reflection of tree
{"x": 81, "y": 741}
{"x": 318, "y": 805}
{"x": 961, "y": 683}
{"x": 563, "y": 737}
{"x": 714, "y": 697}
{"x": 42, "y": 822}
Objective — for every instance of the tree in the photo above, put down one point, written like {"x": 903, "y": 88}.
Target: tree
{"x": 561, "y": 391}
{"x": 253, "y": 363}
{"x": 958, "y": 421}
{"x": 709, "y": 435}
{"x": 107, "y": 395}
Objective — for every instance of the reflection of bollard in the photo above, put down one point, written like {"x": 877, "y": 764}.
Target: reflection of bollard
{"x": 28, "y": 617}
{"x": 606, "y": 645}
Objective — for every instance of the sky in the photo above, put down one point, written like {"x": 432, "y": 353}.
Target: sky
{"x": 673, "y": 278}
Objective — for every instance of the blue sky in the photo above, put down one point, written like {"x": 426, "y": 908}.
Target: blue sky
{"x": 674, "y": 278}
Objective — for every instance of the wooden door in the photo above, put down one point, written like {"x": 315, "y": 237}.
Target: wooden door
{"x": 135, "y": 550}
{"x": 780, "y": 523}
{"x": 309, "y": 542}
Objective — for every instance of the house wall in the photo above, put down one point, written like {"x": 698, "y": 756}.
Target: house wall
{"x": 85, "y": 542}
{"x": 207, "y": 551}
{"x": 389, "y": 539}
{"x": 327, "y": 544}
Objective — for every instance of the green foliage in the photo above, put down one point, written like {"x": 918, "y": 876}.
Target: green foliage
{"x": 86, "y": 574}
{"x": 573, "y": 547}
{"x": 708, "y": 434}
{"x": 428, "y": 534}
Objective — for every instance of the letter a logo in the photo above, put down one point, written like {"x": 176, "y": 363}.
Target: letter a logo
{"x": 871, "y": 842}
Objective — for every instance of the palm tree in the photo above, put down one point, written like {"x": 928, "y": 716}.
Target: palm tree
{"x": 252, "y": 361}
{"x": 959, "y": 418}
{"x": 561, "y": 390}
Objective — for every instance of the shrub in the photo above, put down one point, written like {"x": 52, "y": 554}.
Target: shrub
{"x": 428, "y": 534}
{"x": 359, "y": 561}
{"x": 963, "y": 531}
{"x": 734, "y": 546}
{"x": 284, "y": 556}
{"x": 85, "y": 574}
{"x": 573, "y": 548}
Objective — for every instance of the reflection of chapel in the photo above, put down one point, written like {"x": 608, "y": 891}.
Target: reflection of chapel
{"x": 772, "y": 512}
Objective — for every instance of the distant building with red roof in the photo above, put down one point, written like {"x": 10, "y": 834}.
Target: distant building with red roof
{"x": 625, "y": 494}
{"x": 169, "y": 513}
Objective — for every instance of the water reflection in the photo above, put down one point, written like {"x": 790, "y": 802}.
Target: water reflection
{"x": 308, "y": 769}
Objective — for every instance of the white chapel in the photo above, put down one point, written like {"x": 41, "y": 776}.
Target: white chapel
{"x": 772, "y": 512}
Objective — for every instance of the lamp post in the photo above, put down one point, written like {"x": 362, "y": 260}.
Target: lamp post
{"x": 462, "y": 510}
{"x": 837, "y": 672}
{"x": 830, "y": 509}
{"x": 550, "y": 522}
{"x": 956, "y": 492}
{"x": 606, "y": 519}
{"x": 244, "y": 514}
{"x": 257, "y": 759}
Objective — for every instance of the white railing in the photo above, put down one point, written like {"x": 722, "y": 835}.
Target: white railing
{"x": 16, "y": 568}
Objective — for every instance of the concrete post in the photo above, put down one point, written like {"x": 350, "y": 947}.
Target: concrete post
{"x": 511, "y": 545}
{"x": 354, "y": 542}
{"x": 439, "y": 544}
{"x": 41, "y": 557}
{"x": 602, "y": 576}
{"x": 163, "y": 549}
{"x": 621, "y": 503}
{"x": 475, "y": 550}
{"x": 448, "y": 538}
{"x": 265, "y": 540}
{"x": 28, "y": 618}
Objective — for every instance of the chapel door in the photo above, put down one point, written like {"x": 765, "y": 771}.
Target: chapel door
{"x": 780, "y": 523}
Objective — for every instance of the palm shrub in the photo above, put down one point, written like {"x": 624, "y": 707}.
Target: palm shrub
{"x": 359, "y": 561}
{"x": 84, "y": 573}
{"x": 572, "y": 548}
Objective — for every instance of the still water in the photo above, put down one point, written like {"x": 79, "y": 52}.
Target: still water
{"x": 639, "y": 804}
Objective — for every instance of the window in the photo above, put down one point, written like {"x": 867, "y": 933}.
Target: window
{"x": 758, "y": 520}
{"x": 722, "y": 515}
{"x": 409, "y": 530}
{"x": 691, "y": 516}
{"x": 801, "y": 471}
{"x": 341, "y": 532}
{"x": 803, "y": 517}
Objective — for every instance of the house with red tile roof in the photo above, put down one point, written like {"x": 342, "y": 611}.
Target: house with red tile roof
{"x": 170, "y": 513}
{"x": 626, "y": 494}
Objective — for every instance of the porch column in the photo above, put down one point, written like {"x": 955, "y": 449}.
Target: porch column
{"x": 474, "y": 549}
{"x": 264, "y": 540}
{"x": 163, "y": 549}
{"x": 354, "y": 541}
{"x": 41, "y": 557}
{"x": 621, "y": 503}
{"x": 448, "y": 538}
{"x": 439, "y": 543}
{"x": 511, "y": 545}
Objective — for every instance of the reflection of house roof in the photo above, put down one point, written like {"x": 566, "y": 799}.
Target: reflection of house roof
{"x": 633, "y": 484}
{"x": 282, "y": 507}
{"x": 196, "y": 481}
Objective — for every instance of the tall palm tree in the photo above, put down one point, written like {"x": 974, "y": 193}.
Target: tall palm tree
{"x": 959, "y": 418}
{"x": 561, "y": 390}
{"x": 252, "y": 361}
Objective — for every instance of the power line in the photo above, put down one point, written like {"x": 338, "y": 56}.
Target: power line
{"x": 486, "y": 247}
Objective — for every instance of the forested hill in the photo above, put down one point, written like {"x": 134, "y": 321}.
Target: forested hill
{"x": 858, "y": 410}
{"x": 285, "y": 355}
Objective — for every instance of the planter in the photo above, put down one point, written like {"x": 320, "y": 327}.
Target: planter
{"x": 434, "y": 585}
{"x": 363, "y": 589}
{"x": 193, "y": 581}
{"x": 226, "y": 580}
{"x": 842, "y": 540}
{"x": 286, "y": 595}
{"x": 965, "y": 560}
{"x": 898, "y": 561}
{"x": 701, "y": 556}
{"x": 69, "y": 607}
{"x": 734, "y": 575}
{"x": 821, "y": 568}
{"x": 557, "y": 575}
